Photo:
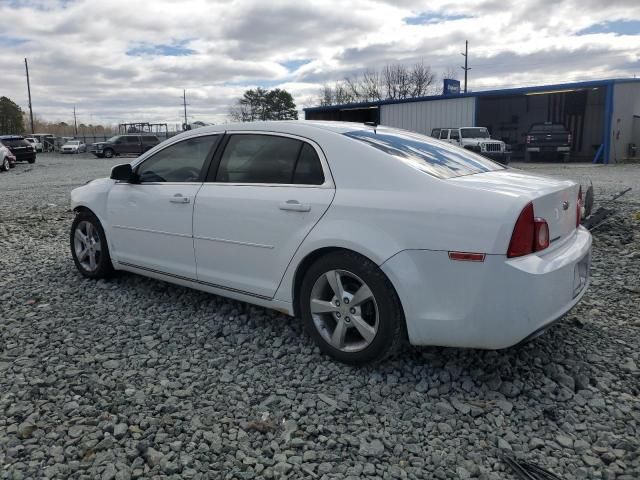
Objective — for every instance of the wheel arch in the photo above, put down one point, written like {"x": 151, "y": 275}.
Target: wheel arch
{"x": 304, "y": 265}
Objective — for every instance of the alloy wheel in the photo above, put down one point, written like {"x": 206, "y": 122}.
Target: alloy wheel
{"x": 87, "y": 246}
{"x": 344, "y": 310}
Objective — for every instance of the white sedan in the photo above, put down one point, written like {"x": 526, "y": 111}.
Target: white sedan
{"x": 372, "y": 236}
{"x": 73, "y": 146}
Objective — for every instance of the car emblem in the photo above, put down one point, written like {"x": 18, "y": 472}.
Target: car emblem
{"x": 565, "y": 205}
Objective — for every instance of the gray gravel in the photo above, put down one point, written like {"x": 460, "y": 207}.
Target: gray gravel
{"x": 138, "y": 378}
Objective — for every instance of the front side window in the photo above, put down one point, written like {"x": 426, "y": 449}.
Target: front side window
{"x": 454, "y": 135}
{"x": 439, "y": 159}
{"x": 132, "y": 139}
{"x": 253, "y": 158}
{"x": 444, "y": 134}
{"x": 180, "y": 162}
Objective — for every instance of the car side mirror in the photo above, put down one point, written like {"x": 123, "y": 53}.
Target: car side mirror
{"x": 123, "y": 173}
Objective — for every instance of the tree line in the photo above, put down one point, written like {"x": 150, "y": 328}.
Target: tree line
{"x": 391, "y": 82}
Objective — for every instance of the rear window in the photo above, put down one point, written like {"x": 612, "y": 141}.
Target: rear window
{"x": 438, "y": 159}
{"x": 14, "y": 142}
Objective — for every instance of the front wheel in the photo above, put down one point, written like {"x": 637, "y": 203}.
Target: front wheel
{"x": 89, "y": 246}
{"x": 108, "y": 153}
{"x": 351, "y": 309}
{"x": 32, "y": 160}
{"x": 6, "y": 165}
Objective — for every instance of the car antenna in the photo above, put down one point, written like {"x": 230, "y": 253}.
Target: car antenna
{"x": 372, "y": 124}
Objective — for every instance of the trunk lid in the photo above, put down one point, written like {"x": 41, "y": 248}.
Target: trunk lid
{"x": 553, "y": 199}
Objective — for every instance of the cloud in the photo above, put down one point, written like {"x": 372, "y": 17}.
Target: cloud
{"x": 128, "y": 60}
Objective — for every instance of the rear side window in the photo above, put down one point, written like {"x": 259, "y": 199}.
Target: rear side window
{"x": 435, "y": 133}
{"x": 455, "y": 135}
{"x": 444, "y": 134}
{"x": 149, "y": 139}
{"x": 253, "y": 158}
{"x": 438, "y": 159}
{"x": 308, "y": 169}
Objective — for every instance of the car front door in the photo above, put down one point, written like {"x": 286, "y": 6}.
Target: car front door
{"x": 151, "y": 220}
{"x": 265, "y": 194}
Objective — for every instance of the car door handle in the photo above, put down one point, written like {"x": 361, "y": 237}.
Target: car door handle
{"x": 178, "y": 198}
{"x": 294, "y": 206}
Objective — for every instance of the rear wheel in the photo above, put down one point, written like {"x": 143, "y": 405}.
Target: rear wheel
{"x": 351, "y": 309}
{"x": 5, "y": 165}
{"x": 32, "y": 160}
{"x": 89, "y": 246}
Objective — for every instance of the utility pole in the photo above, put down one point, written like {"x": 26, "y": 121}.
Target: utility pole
{"x": 26, "y": 67}
{"x": 75, "y": 121}
{"x": 466, "y": 67}
{"x": 184, "y": 103}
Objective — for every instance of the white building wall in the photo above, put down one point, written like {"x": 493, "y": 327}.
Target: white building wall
{"x": 626, "y": 104}
{"x": 422, "y": 117}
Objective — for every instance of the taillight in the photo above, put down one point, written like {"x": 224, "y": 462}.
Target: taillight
{"x": 529, "y": 234}
{"x": 529, "y": 139}
{"x": 579, "y": 207}
{"x": 569, "y": 139}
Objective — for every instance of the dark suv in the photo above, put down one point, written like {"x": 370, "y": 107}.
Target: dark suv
{"x": 21, "y": 149}
{"x": 130, "y": 144}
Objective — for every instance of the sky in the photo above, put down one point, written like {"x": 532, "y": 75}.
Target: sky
{"x": 129, "y": 60}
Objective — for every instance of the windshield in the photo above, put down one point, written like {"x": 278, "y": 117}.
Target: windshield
{"x": 113, "y": 139}
{"x": 474, "y": 132}
{"x": 438, "y": 159}
{"x": 73, "y": 142}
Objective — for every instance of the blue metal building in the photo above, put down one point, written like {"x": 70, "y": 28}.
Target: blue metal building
{"x": 602, "y": 115}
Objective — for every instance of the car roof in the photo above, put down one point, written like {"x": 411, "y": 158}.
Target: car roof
{"x": 11, "y": 137}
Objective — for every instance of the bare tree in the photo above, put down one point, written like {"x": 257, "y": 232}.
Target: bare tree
{"x": 393, "y": 81}
{"x": 421, "y": 79}
{"x": 450, "y": 73}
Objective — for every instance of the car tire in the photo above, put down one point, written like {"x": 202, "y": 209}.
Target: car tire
{"x": 380, "y": 329}
{"x": 5, "y": 165}
{"x": 32, "y": 160}
{"x": 89, "y": 247}
{"x": 108, "y": 153}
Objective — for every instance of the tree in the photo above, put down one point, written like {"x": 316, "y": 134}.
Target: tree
{"x": 10, "y": 117}
{"x": 393, "y": 81}
{"x": 260, "y": 104}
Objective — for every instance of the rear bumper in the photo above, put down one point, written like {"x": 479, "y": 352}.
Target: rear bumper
{"x": 492, "y": 304}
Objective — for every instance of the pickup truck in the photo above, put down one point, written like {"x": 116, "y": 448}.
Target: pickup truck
{"x": 547, "y": 139}
{"x": 129, "y": 144}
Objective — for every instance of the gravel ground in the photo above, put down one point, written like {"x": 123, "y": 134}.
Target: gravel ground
{"x": 139, "y": 378}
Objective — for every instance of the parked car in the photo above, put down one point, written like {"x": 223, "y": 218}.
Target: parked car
{"x": 130, "y": 144}
{"x": 7, "y": 159}
{"x": 73, "y": 146}
{"x": 476, "y": 139}
{"x": 35, "y": 142}
{"x": 370, "y": 235}
{"x": 20, "y": 148}
{"x": 548, "y": 139}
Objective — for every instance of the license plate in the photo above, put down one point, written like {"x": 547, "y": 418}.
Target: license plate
{"x": 581, "y": 275}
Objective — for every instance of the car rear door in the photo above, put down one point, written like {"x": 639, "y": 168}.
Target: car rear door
{"x": 151, "y": 221}
{"x": 264, "y": 194}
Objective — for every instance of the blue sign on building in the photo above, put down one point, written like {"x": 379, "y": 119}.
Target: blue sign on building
{"x": 451, "y": 87}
